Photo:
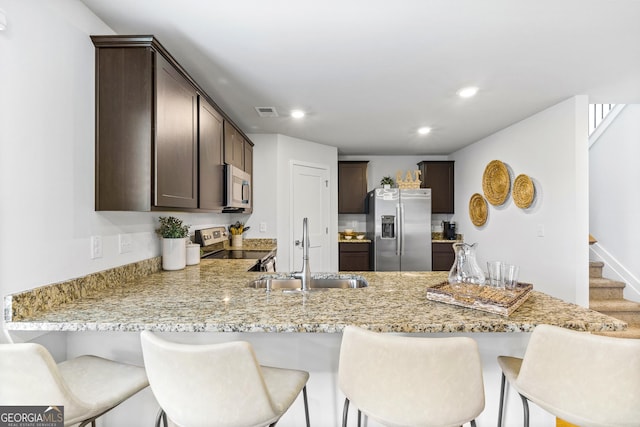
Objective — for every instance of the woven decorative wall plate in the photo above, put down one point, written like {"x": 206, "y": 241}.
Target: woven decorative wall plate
{"x": 496, "y": 182}
{"x": 478, "y": 210}
{"x": 523, "y": 191}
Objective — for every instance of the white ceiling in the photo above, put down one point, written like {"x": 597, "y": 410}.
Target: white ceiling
{"x": 370, "y": 72}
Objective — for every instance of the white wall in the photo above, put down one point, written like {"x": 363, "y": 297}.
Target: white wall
{"x": 613, "y": 198}
{"x": 550, "y": 147}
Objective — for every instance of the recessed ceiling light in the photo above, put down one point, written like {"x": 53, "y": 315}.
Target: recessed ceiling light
{"x": 467, "y": 92}
{"x": 424, "y": 130}
{"x": 297, "y": 114}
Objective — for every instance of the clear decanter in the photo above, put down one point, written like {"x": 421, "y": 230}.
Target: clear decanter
{"x": 465, "y": 269}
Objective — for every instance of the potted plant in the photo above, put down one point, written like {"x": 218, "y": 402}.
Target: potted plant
{"x": 387, "y": 182}
{"x": 174, "y": 242}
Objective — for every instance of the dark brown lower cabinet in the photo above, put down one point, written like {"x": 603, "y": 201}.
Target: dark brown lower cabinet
{"x": 442, "y": 256}
{"x": 355, "y": 257}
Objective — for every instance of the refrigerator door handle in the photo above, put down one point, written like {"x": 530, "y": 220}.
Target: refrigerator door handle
{"x": 401, "y": 229}
{"x": 398, "y": 231}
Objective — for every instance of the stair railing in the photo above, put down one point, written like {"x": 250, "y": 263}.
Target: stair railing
{"x": 600, "y": 117}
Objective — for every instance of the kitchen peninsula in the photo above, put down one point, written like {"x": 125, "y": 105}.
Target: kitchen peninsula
{"x": 213, "y": 296}
{"x": 211, "y": 302}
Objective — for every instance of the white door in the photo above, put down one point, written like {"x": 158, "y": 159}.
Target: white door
{"x": 310, "y": 199}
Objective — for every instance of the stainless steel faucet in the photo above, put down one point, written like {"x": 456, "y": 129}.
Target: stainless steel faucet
{"x": 305, "y": 274}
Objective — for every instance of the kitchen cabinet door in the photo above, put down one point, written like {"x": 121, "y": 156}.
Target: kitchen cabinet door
{"x": 442, "y": 256}
{"x": 355, "y": 257}
{"x": 248, "y": 158}
{"x": 438, "y": 175}
{"x": 176, "y": 147}
{"x": 124, "y": 107}
{"x": 233, "y": 146}
{"x": 211, "y": 164}
{"x": 352, "y": 186}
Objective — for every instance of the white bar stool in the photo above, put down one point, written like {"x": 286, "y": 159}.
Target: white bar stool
{"x": 408, "y": 381}
{"x": 218, "y": 385}
{"x": 587, "y": 380}
{"x": 87, "y": 386}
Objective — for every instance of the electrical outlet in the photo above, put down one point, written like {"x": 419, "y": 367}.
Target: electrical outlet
{"x": 263, "y": 227}
{"x": 126, "y": 243}
{"x": 96, "y": 247}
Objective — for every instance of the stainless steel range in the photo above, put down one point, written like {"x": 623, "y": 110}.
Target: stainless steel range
{"x": 212, "y": 242}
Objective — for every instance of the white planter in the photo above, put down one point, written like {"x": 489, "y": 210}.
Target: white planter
{"x": 174, "y": 253}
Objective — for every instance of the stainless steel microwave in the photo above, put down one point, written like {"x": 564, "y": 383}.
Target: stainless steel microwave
{"x": 237, "y": 189}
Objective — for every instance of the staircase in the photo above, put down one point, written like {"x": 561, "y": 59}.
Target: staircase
{"x": 606, "y": 296}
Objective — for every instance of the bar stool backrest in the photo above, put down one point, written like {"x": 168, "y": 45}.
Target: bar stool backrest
{"x": 30, "y": 376}
{"x": 207, "y": 384}
{"x": 585, "y": 379}
{"x": 411, "y": 381}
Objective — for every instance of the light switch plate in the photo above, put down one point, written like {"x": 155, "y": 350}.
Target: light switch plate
{"x": 540, "y": 230}
{"x": 263, "y": 227}
{"x": 125, "y": 243}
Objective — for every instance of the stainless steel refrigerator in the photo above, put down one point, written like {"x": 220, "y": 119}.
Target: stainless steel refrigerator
{"x": 399, "y": 220}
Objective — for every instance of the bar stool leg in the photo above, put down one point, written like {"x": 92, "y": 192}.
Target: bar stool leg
{"x": 162, "y": 416}
{"x": 501, "y": 401}
{"x": 345, "y": 412}
{"x": 525, "y": 409}
{"x": 306, "y": 405}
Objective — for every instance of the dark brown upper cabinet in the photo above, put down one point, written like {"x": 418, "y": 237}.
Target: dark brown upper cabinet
{"x": 176, "y": 139}
{"x": 352, "y": 186}
{"x": 233, "y": 146}
{"x": 438, "y": 175}
{"x": 211, "y": 164}
{"x": 159, "y": 136}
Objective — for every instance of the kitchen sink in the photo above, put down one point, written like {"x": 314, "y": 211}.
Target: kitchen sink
{"x": 317, "y": 283}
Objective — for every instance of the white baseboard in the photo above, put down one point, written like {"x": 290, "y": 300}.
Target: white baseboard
{"x": 614, "y": 270}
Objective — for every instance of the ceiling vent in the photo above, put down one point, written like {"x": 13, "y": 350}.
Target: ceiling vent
{"x": 267, "y": 111}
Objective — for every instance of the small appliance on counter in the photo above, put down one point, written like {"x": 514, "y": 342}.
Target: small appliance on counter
{"x": 449, "y": 230}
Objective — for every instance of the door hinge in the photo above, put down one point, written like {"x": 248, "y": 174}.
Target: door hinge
{"x": 326, "y": 183}
{"x": 326, "y": 230}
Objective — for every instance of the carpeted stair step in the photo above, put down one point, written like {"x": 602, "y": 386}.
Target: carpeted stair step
{"x": 602, "y": 288}
{"x": 625, "y": 310}
{"x": 595, "y": 269}
{"x": 632, "y": 332}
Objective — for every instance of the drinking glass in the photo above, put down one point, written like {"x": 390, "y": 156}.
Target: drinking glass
{"x": 495, "y": 274}
{"x": 510, "y": 275}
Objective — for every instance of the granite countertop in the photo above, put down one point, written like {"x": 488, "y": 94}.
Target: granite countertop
{"x": 213, "y": 296}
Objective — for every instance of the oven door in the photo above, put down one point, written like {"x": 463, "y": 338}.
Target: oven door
{"x": 237, "y": 189}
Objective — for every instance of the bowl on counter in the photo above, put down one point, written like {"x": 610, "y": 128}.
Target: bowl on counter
{"x": 348, "y": 237}
{"x": 348, "y": 231}
{"x": 360, "y": 236}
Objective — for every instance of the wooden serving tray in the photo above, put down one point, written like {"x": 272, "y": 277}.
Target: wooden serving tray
{"x": 484, "y": 298}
